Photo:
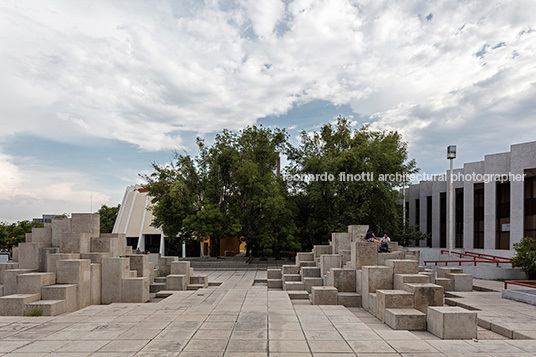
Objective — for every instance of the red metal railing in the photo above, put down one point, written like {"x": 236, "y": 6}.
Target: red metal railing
{"x": 520, "y": 283}
{"x": 460, "y": 261}
{"x": 477, "y": 258}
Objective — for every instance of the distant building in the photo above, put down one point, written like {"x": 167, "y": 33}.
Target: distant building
{"x": 494, "y": 203}
{"x": 46, "y": 218}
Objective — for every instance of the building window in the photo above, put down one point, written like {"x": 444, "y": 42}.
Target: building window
{"x": 530, "y": 204}
{"x": 429, "y": 220}
{"x": 458, "y": 218}
{"x": 417, "y": 218}
{"x": 443, "y": 220}
{"x": 502, "y": 215}
{"x": 478, "y": 227}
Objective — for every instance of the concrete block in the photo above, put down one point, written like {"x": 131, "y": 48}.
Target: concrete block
{"x": 43, "y": 257}
{"x": 328, "y": 261}
{"x": 164, "y": 265}
{"x": 373, "y": 304}
{"x": 106, "y": 245}
{"x": 13, "y": 305}
{"x": 31, "y": 283}
{"x": 42, "y": 235}
{"x": 132, "y": 274}
{"x": 304, "y": 257}
{"x": 67, "y": 292}
{"x": 291, "y": 277}
{"x": 442, "y": 271}
{"x": 199, "y": 280}
{"x": 363, "y": 254}
{"x": 96, "y": 283}
{"x": 389, "y": 299}
{"x": 401, "y": 279}
{"x": 293, "y": 285}
{"x": 430, "y": 275}
{"x": 85, "y": 223}
{"x": 346, "y": 256}
{"x": 274, "y": 283}
{"x": 96, "y": 258}
{"x": 49, "y": 307}
{"x": 357, "y": 232}
{"x": 324, "y": 295}
{"x": 117, "y": 243}
{"x": 10, "y": 280}
{"x": 309, "y": 282}
{"x": 15, "y": 254}
{"x": 29, "y": 256}
{"x": 374, "y": 278}
{"x": 298, "y": 295}
{"x": 176, "y": 282}
{"x": 135, "y": 289}
{"x": 349, "y": 299}
{"x": 393, "y": 247}
{"x": 401, "y": 266}
{"x": 319, "y": 250}
{"x": 6, "y": 266}
{"x": 128, "y": 250}
{"x": 180, "y": 267}
{"x": 75, "y": 242}
{"x": 447, "y": 284}
{"x": 290, "y": 269}
{"x": 412, "y": 255}
{"x": 454, "y": 323}
{"x": 114, "y": 270}
{"x": 310, "y": 272}
{"x": 27, "y": 238}
{"x": 152, "y": 275}
{"x": 273, "y": 274}
{"x": 405, "y": 319}
{"x": 340, "y": 241}
{"x": 58, "y": 227}
{"x": 76, "y": 271}
{"x": 383, "y": 257}
{"x": 140, "y": 263}
{"x": 462, "y": 282}
{"x": 425, "y": 295}
{"x": 307, "y": 264}
{"x": 53, "y": 258}
{"x": 343, "y": 279}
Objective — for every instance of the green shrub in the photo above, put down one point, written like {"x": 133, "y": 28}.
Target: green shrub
{"x": 285, "y": 254}
{"x": 525, "y": 257}
{"x": 265, "y": 253}
{"x": 35, "y": 311}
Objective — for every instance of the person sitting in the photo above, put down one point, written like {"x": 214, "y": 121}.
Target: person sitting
{"x": 370, "y": 237}
{"x": 384, "y": 243}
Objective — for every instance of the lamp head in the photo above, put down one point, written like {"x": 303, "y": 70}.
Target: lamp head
{"x": 451, "y": 152}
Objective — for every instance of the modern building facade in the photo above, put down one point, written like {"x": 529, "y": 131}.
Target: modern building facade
{"x": 494, "y": 203}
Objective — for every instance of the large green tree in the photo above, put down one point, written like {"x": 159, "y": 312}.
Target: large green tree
{"x": 108, "y": 215}
{"x": 326, "y": 204}
{"x": 11, "y": 234}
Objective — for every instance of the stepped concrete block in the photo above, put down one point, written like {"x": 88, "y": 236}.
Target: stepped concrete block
{"x": 114, "y": 270}
{"x": 401, "y": 279}
{"x": 309, "y": 282}
{"x": 324, "y": 295}
{"x": 304, "y": 257}
{"x": 13, "y": 305}
{"x": 49, "y": 307}
{"x": 85, "y": 223}
{"x": 109, "y": 243}
{"x": 290, "y": 269}
{"x": 421, "y": 268}
{"x": 328, "y": 261}
{"x": 340, "y": 241}
{"x": 383, "y": 257}
{"x": 346, "y": 256}
{"x": 349, "y": 299}
{"x": 75, "y": 243}
{"x": 393, "y": 247}
{"x": 128, "y": 250}
{"x": 1, "y": 290}
{"x": 291, "y": 277}
{"x": 152, "y": 275}
{"x": 374, "y": 278}
{"x": 135, "y": 289}
{"x": 310, "y": 272}
{"x": 132, "y": 274}
{"x": 403, "y": 266}
{"x": 274, "y": 283}
{"x": 452, "y": 323}
{"x": 430, "y": 275}
{"x": 373, "y": 304}
{"x": 43, "y": 257}
{"x": 307, "y": 264}
{"x": 156, "y": 287}
{"x": 357, "y": 232}
{"x": 319, "y": 250}
{"x": 358, "y": 285}
{"x": 42, "y": 235}
{"x": 274, "y": 274}
{"x": 164, "y": 265}
{"x": 298, "y": 295}
{"x": 66, "y": 292}
{"x": 29, "y": 256}
{"x": 140, "y": 263}
{"x": 7, "y": 266}
{"x": 176, "y": 282}
{"x": 363, "y": 254}
{"x": 96, "y": 283}
{"x": 392, "y": 299}
{"x": 27, "y": 238}
{"x": 442, "y": 272}
{"x": 194, "y": 287}
{"x": 76, "y": 271}
{"x": 199, "y": 280}
{"x": 59, "y": 226}
{"x": 425, "y": 295}
{"x": 343, "y": 279}
{"x": 31, "y": 283}
{"x": 405, "y": 319}
{"x": 15, "y": 254}
{"x": 96, "y": 257}
{"x": 52, "y": 259}
{"x": 462, "y": 282}
{"x": 180, "y": 267}
{"x": 446, "y": 283}
{"x": 293, "y": 285}
{"x": 10, "y": 280}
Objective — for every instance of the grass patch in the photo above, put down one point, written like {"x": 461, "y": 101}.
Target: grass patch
{"x": 35, "y": 311}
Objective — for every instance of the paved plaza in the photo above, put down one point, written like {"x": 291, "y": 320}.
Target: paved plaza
{"x": 241, "y": 317}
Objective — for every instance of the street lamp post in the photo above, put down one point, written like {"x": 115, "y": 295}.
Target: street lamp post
{"x": 451, "y": 155}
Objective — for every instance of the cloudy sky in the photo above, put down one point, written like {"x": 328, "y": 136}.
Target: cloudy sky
{"x": 92, "y": 92}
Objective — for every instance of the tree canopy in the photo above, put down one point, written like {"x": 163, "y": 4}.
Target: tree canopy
{"x": 11, "y": 234}
{"x": 108, "y": 216}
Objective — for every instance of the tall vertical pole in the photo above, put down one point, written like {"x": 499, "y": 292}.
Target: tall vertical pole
{"x": 404, "y": 204}
{"x": 451, "y": 211}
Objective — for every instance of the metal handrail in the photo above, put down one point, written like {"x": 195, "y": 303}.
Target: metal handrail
{"x": 460, "y": 261}
{"x": 475, "y": 255}
{"x": 520, "y": 283}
